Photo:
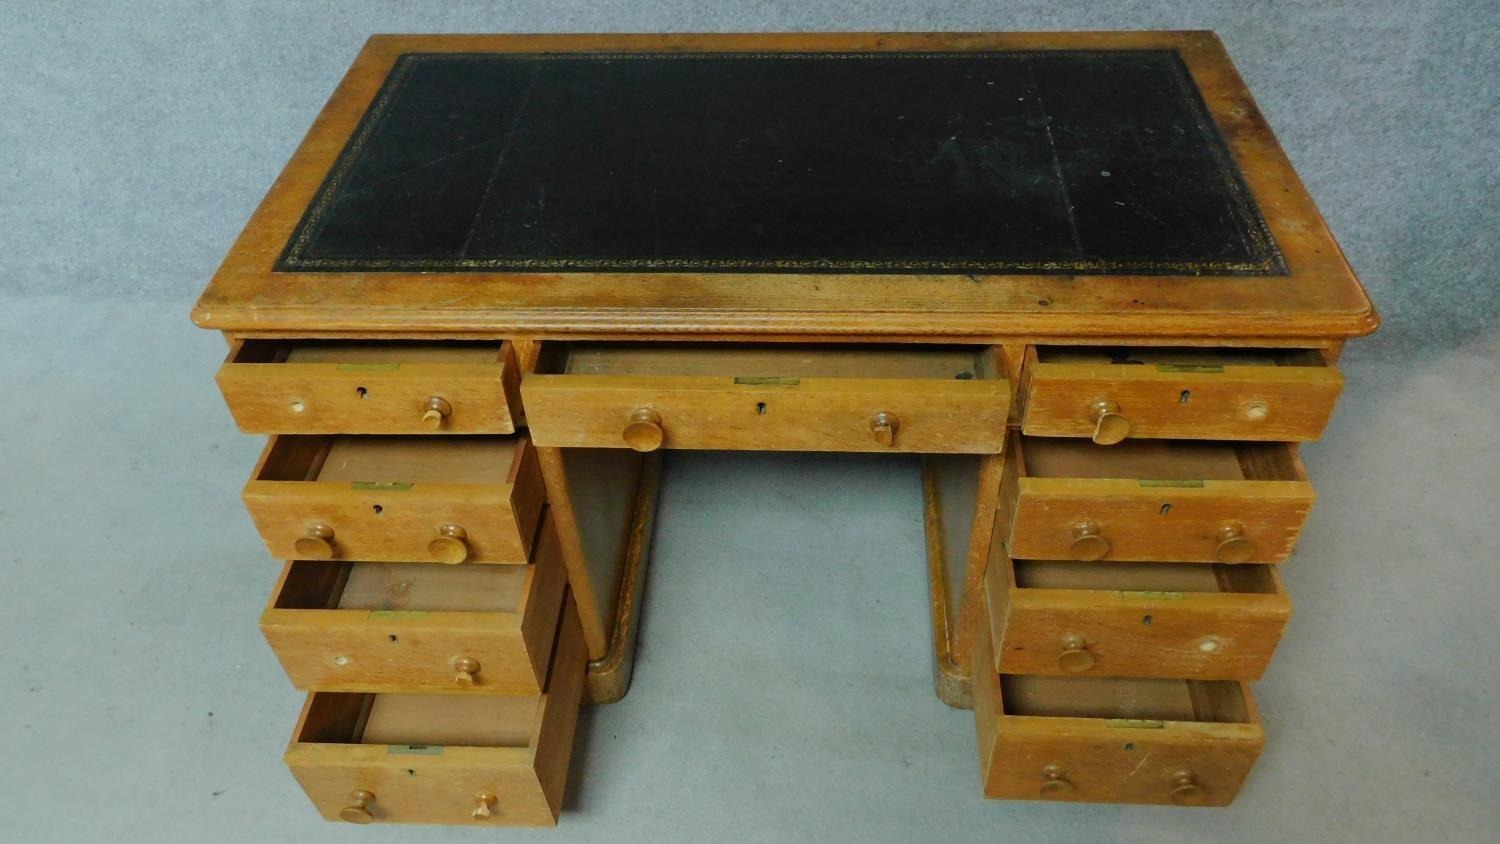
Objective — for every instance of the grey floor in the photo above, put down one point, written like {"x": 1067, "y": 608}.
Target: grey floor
{"x": 782, "y": 690}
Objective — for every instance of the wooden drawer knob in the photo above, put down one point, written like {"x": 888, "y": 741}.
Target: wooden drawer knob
{"x": 316, "y": 543}
{"x": 1088, "y": 545}
{"x": 884, "y": 426}
{"x": 1186, "y": 791}
{"x": 1234, "y": 546}
{"x": 1110, "y": 426}
{"x": 484, "y": 805}
{"x": 1076, "y": 657}
{"x": 450, "y": 545}
{"x": 644, "y": 432}
{"x": 435, "y": 412}
{"x": 358, "y": 811}
{"x": 467, "y": 667}
{"x": 1055, "y": 782}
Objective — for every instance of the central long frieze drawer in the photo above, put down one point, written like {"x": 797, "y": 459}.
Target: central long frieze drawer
{"x": 771, "y": 397}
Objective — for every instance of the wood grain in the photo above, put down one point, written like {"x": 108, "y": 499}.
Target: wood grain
{"x": 1168, "y": 518}
{"x": 1129, "y": 759}
{"x": 400, "y": 642}
{"x": 1212, "y": 398}
{"x": 592, "y": 494}
{"x": 1205, "y": 622}
{"x": 609, "y": 675}
{"x": 439, "y": 784}
{"x": 388, "y": 517}
{"x": 752, "y": 403}
{"x": 960, "y": 501}
{"x": 368, "y": 388}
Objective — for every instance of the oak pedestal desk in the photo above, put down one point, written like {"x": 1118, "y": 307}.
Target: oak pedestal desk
{"x": 502, "y": 275}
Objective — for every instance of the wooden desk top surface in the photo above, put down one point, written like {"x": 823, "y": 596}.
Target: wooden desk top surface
{"x": 1106, "y": 184}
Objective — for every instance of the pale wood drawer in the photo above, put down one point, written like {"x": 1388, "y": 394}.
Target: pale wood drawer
{"x": 909, "y": 398}
{"x": 1205, "y": 621}
{"x": 480, "y": 760}
{"x": 471, "y": 499}
{"x": 1154, "y": 500}
{"x": 1111, "y": 393}
{"x": 371, "y": 387}
{"x": 1113, "y": 740}
{"x": 418, "y": 627}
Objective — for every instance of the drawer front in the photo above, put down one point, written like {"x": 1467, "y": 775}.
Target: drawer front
{"x": 518, "y": 785}
{"x": 1172, "y": 765}
{"x": 1110, "y": 402}
{"x": 1132, "y": 633}
{"x": 810, "y": 415}
{"x": 404, "y": 650}
{"x": 1135, "y": 522}
{"x": 791, "y": 411}
{"x": 1163, "y": 517}
{"x": 400, "y": 522}
{"x": 1096, "y": 760}
{"x": 380, "y": 389}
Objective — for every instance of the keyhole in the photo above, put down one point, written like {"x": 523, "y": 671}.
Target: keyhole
{"x": 361, "y": 391}
{"x": 760, "y": 408}
{"x": 1145, "y": 619}
{"x": 1182, "y": 398}
{"x": 379, "y": 509}
{"x": 1165, "y": 509}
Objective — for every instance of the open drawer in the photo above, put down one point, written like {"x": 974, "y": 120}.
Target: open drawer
{"x": 1158, "y": 500}
{"x": 902, "y": 398}
{"x": 420, "y": 499}
{"x": 1113, "y": 740}
{"x": 371, "y": 387}
{"x": 485, "y": 760}
{"x": 1205, "y": 621}
{"x": 1110, "y": 393}
{"x": 418, "y": 627}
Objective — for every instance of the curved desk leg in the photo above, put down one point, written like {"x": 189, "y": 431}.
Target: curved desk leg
{"x": 609, "y": 675}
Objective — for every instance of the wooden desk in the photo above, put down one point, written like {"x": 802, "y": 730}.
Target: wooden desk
{"x": 503, "y": 274}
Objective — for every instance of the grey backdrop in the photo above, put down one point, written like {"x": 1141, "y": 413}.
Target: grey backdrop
{"x": 783, "y": 690}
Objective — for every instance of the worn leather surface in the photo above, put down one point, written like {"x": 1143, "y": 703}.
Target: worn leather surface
{"x": 1045, "y": 162}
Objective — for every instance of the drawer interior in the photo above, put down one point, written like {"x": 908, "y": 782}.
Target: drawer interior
{"x": 433, "y": 720}
{"x": 429, "y": 587}
{"x": 1243, "y": 578}
{"x": 414, "y": 459}
{"x": 1205, "y": 701}
{"x": 1184, "y": 356}
{"x": 373, "y": 351}
{"x": 1176, "y": 460}
{"x": 768, "y": 360}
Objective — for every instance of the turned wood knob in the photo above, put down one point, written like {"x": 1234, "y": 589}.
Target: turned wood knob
{"x": 1087, "y": 544}
{"x": 316, "y": 543}
{"x": 467, "y": 667}
{"x": 1076, "y": 657}
{"x": 435, "y": 412}
{"x": 644, "y": 432}
{"x": 1186, "y": 791}
{"x": 357, "y": 812}
{"x": 484, "y": 803}
{"x": 1234, "y": 546}
{"x": 1110, "y": 426}
{"x": 450, "y": 545}
{"x": 1256, "y": 411}
{"x": 884, "y": 426}
{"x": 1055, "y": 782}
